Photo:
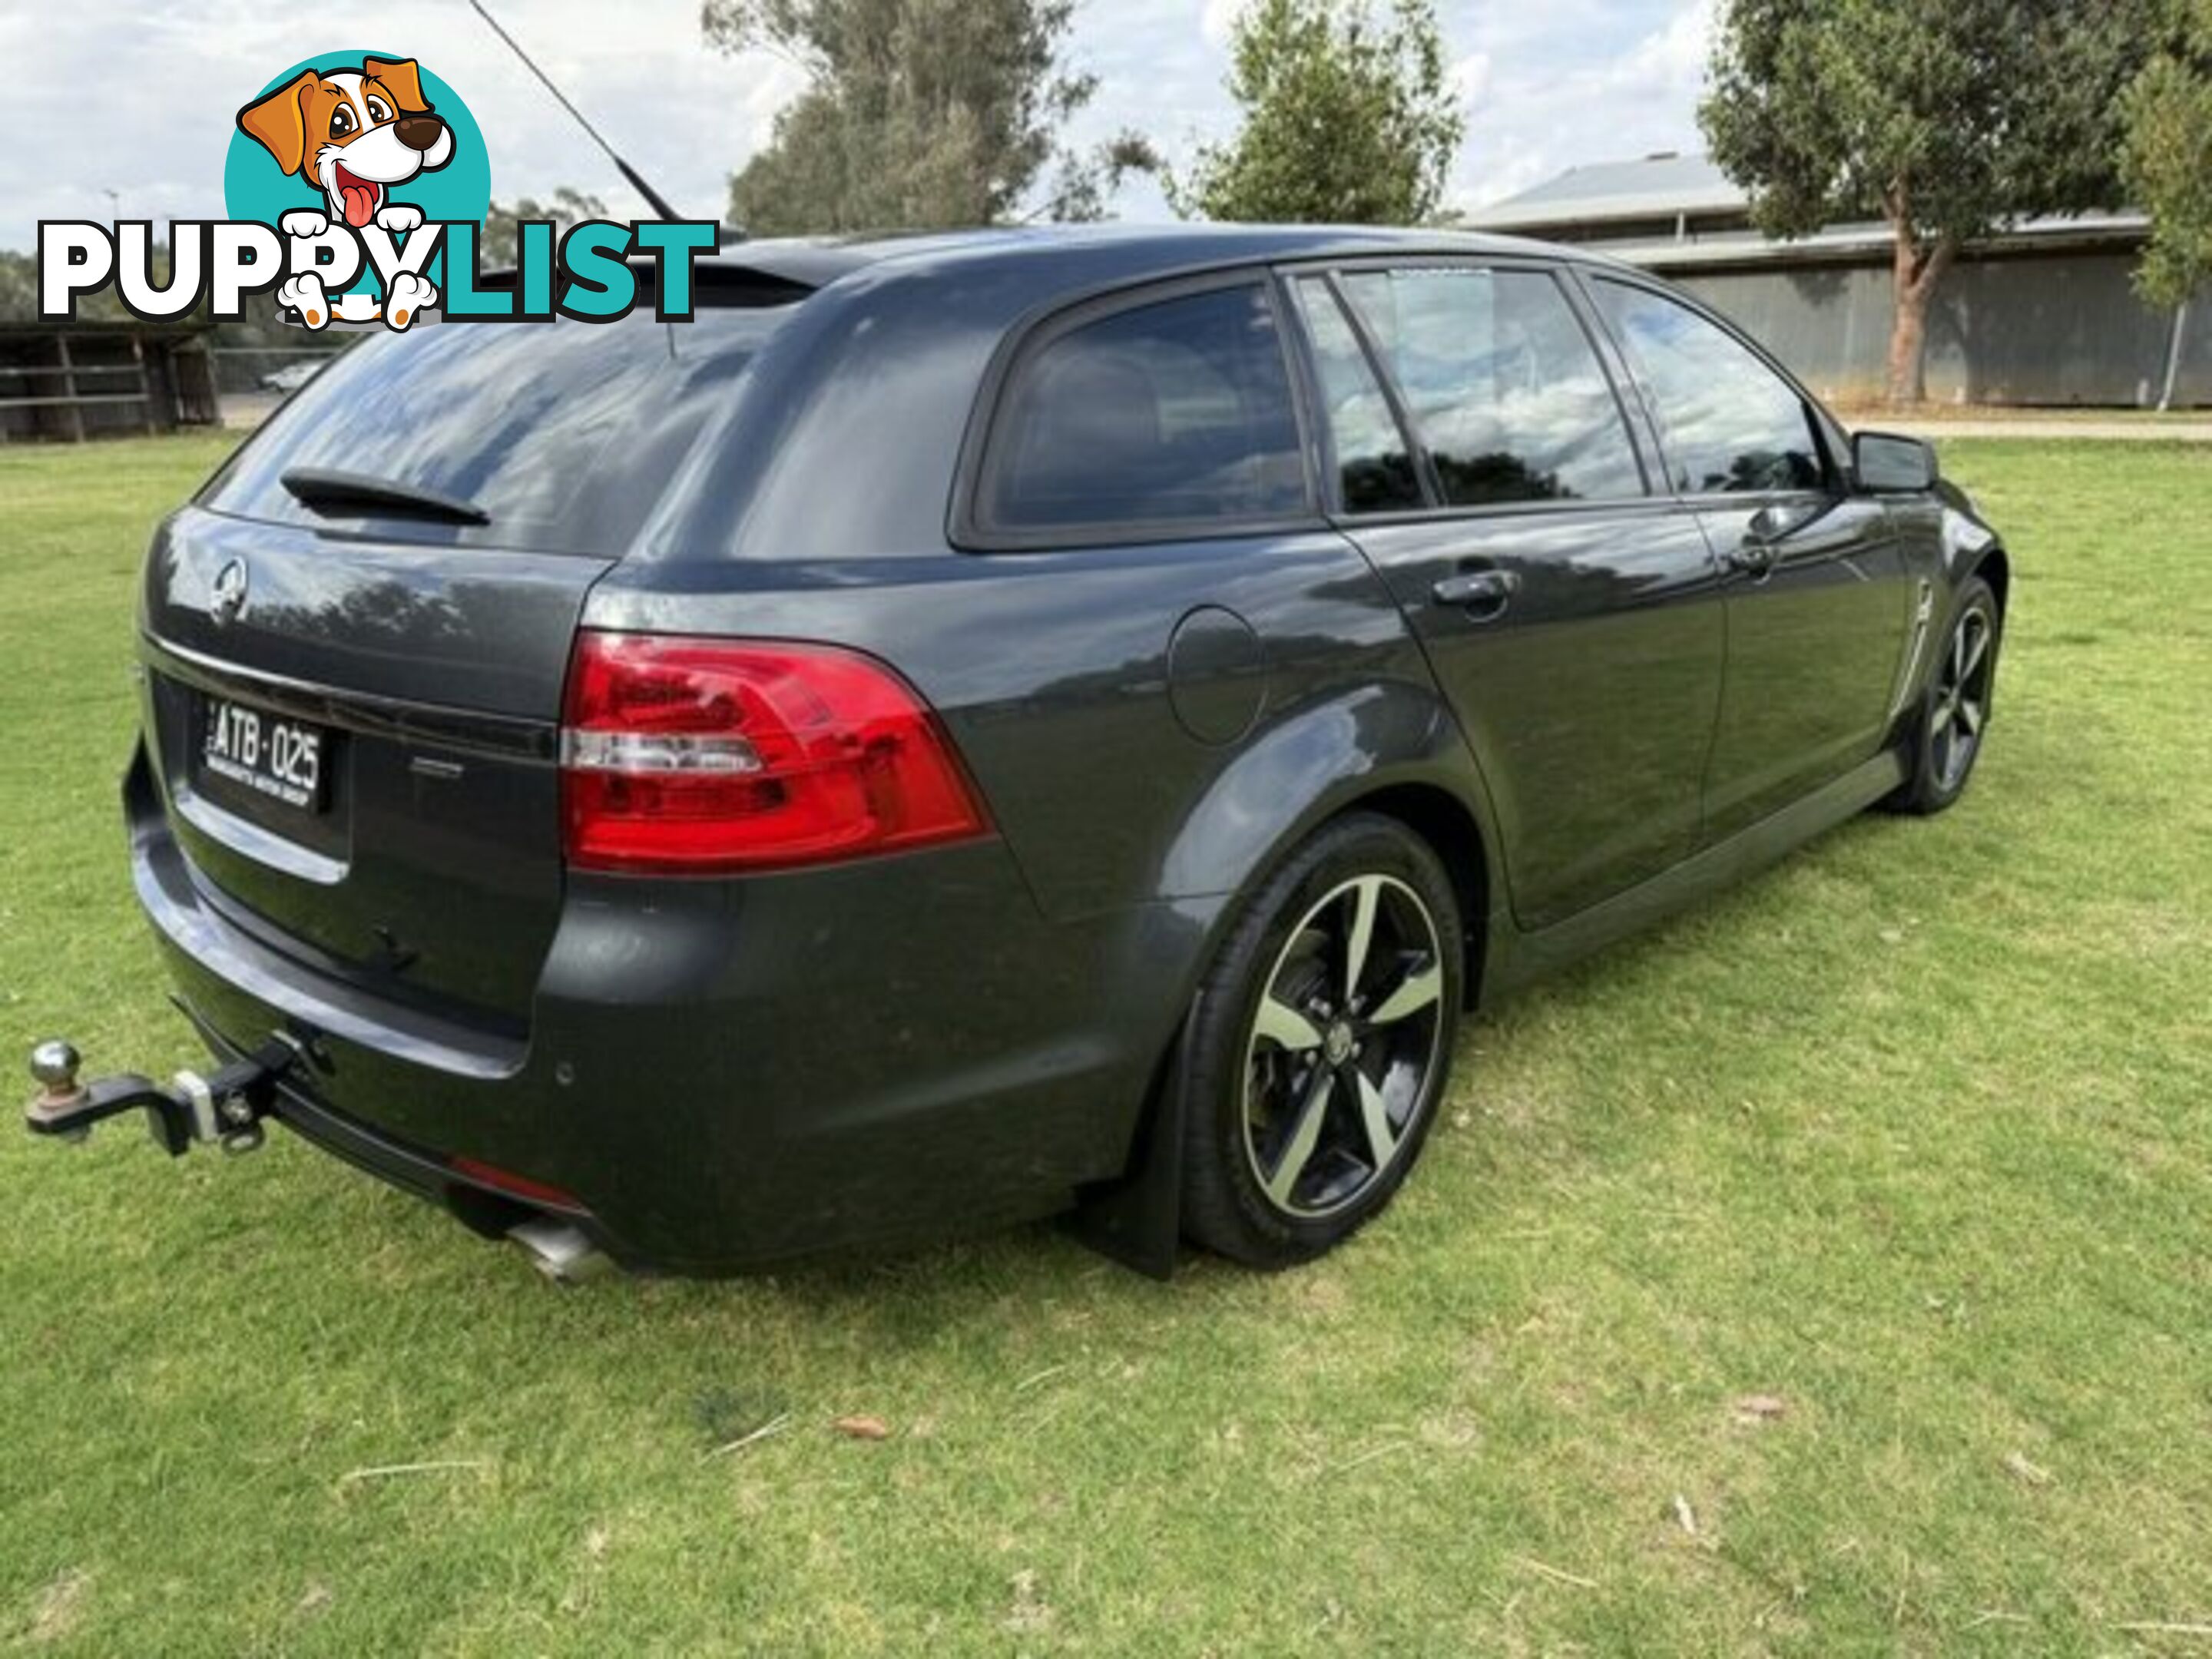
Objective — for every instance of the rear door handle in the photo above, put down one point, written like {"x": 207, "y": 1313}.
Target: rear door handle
{"x": 1485, "y": 592}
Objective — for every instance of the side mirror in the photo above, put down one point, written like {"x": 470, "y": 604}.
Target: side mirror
{"x": 1890, "y": 463}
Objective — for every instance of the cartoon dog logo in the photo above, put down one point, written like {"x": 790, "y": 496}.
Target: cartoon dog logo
{"x": 355, "y": 133}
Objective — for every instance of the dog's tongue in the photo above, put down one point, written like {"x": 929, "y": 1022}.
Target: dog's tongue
{"x": 360, "y": 203}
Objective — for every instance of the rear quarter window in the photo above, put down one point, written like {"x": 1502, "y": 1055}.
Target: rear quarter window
{"x": 1175, "y": 411}
{"x": 565, "y": 433}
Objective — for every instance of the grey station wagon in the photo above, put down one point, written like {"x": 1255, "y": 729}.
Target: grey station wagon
{"x": 985, "y": 725}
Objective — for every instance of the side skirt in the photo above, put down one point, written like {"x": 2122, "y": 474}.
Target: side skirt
{"x": 1521, "y": 958}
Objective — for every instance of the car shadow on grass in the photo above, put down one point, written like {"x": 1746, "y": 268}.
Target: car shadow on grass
{"x": 912, "y": 1295}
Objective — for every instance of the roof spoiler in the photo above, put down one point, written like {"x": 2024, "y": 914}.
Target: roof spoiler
{"x": 784, "y": 279}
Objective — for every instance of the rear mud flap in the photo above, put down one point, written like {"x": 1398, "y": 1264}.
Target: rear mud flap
{"x": 1138, "y": 1219}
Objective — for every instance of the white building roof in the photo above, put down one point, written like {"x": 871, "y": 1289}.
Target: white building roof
{"x": 1656, "y": 187}
{"x": 1687, "y": 188}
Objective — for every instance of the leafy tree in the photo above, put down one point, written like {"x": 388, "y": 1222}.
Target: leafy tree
{"x": 917, "y": 113}
{"x": 2167, "y": 161}
{"x": 19, "y": 286}
{"x": 1346, "y": 120}
{"x": 1949, "y": 119}
{"x": 1085, "y": 181}
{"x": 568, "y": 207}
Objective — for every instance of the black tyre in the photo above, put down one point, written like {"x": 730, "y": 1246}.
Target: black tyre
{"x": 1954, "y": 711}
{"x": 1322, "y": 1041}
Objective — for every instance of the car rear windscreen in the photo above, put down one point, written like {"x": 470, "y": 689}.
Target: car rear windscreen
{"x": 564, "y": 434}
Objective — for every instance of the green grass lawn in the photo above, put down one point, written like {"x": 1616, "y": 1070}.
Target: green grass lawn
{"x": 1829, "y": 1270}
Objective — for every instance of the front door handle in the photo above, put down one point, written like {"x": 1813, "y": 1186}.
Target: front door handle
{"x": 1484, "y": 593}
{"x": 1750, "y": 557}
{"x": 1768, "y": 529}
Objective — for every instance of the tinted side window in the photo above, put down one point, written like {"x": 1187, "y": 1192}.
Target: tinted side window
{"x": 1178, "y": 410}
{"x": 1503, "y": 384}
{"x": 1730, "y": 423}
{"x": 1375, "y": 472}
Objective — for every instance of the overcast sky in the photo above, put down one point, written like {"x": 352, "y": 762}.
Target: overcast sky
{"x": 137, "y": 96}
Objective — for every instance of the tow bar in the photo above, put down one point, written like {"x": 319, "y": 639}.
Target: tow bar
{"x": 224, "y": 1108}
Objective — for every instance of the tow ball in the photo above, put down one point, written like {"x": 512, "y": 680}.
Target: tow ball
{"x": 224, "y": 1108}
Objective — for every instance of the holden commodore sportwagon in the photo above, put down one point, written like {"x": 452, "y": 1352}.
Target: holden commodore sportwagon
{"x": 976, "y": 727}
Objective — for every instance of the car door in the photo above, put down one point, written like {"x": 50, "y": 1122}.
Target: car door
{"x": 1819, "y": 603}
{"x": 1480, "y": 458}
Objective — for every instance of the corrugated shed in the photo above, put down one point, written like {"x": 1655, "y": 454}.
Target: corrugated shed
{"x": 2044, "y": 313}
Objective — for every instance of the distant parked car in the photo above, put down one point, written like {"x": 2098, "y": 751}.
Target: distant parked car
{"x": 972, "y": 725}
{"x": 290, "y": 378}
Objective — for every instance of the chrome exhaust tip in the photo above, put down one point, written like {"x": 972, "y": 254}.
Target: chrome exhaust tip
{"x": 560, "y": 1251}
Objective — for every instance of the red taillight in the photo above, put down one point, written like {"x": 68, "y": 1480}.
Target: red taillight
{"x": 516, "y": 1186}
{"x": 692, "y": 756}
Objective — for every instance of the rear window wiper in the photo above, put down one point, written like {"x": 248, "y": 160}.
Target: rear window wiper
{"x": 322, "y": 490}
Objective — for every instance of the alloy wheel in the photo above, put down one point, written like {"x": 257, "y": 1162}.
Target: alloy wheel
{"x": 1343, "y": 1046}
{"x": 1961, "y": 705}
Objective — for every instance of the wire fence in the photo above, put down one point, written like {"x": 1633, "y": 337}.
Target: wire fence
{"x": 240, "y": 369}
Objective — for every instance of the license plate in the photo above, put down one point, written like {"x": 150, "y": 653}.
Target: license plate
{"x": 278, "y": 758}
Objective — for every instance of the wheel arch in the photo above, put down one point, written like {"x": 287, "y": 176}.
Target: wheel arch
{"x": 1393, "y": 748}
{"x": 1995, "y": 568}
{"x": 1431, "y": 805}
{"x": 1444, "y": 821}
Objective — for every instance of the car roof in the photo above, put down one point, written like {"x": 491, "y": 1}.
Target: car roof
{"x": 892, "y": 359}
{"x": 818, "y": 261}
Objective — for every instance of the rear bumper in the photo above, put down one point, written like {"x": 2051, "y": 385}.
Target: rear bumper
{"x": 730, "y": 1074}
{"x": 481, "y": 1208}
